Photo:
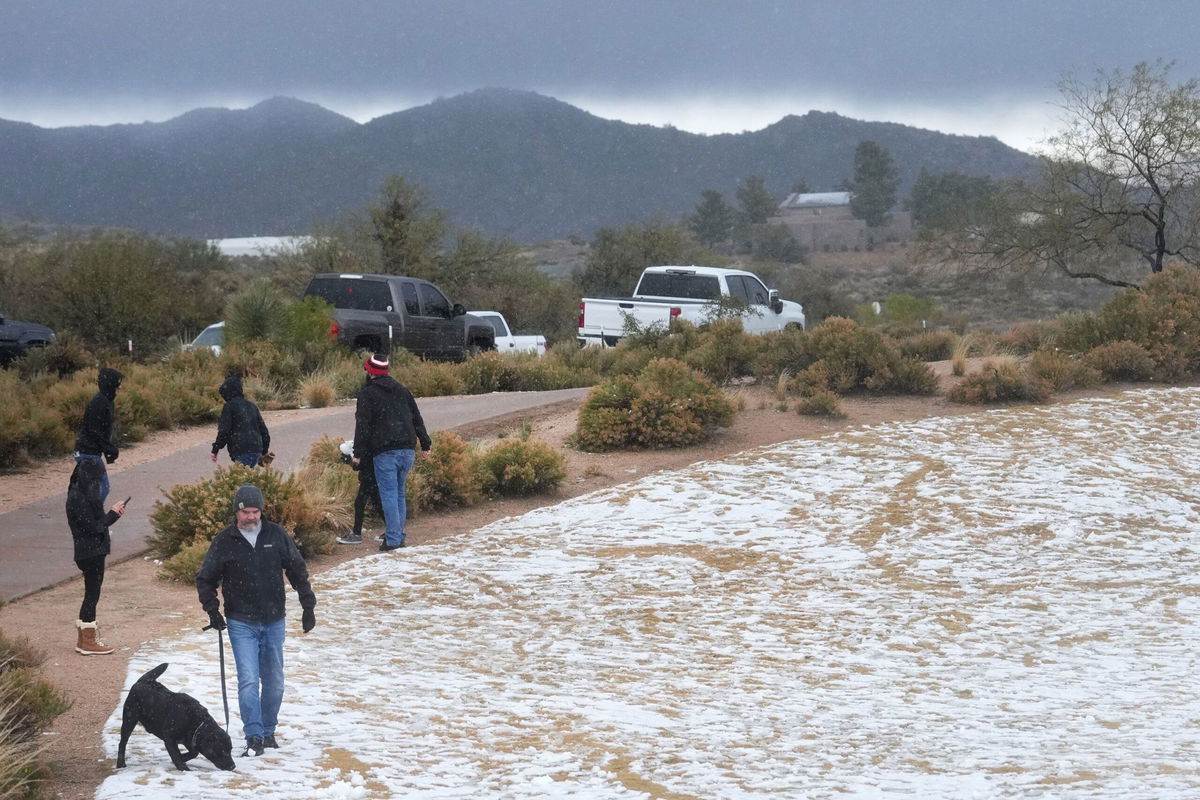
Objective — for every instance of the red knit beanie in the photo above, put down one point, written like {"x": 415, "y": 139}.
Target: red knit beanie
{"x": 376, "y": 365}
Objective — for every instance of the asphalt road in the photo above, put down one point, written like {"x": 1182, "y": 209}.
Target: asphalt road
{"x": 35, "y": 544}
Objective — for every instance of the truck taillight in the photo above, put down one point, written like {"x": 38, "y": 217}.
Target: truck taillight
{"x": 581, "y": 313}
{"x": 676, "y": 311}
{"x": 333, "y": 329}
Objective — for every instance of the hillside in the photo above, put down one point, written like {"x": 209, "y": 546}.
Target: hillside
{"x": 508, "y": 162}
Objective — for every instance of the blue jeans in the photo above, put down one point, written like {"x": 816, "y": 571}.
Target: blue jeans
{"x": 249, "y": 459}
{"x": 258, "y": 654}
{"x": 391, "y": 473}
{"x": 104, "y": 484}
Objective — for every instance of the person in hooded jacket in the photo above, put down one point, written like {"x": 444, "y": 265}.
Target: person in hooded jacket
{"x": 89, "y": 524}
{"x": 241, "y": 427}
{"x": 387, "y": 429}
{"x": 95, "y": 439}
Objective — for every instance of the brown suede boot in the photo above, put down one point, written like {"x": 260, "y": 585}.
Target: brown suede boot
{"x": 89, "y": 643}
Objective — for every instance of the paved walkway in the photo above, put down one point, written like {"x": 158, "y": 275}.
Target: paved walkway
{"x": 35, "y": 544}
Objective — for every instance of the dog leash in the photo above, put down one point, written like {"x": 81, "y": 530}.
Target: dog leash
{"x": 224, "y": 691}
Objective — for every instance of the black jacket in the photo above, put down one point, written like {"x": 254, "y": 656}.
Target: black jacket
{"x": 386, "y": 418}
{"x": 85, "y": 512}
{"x": 241, "y": 426}
{"x": 95, "y": 435}
{"x": 250, "y": 578}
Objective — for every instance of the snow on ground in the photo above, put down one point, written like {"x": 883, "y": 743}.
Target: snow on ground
{"x": 1001, "y": 605}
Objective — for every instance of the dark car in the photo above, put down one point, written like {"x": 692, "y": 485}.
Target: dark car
{"x": 382, "y": 312}
{"x": 18, "y": 338}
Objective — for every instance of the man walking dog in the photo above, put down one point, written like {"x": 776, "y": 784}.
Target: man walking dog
{"x": 387, "y": 428}
{"x": 248, "y": 560}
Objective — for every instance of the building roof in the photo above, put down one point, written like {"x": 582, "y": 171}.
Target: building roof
{"x": 816, "y": 200}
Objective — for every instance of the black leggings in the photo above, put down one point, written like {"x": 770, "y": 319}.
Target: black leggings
{"x": 368, "y": 491}
{"x": 93, "y": 579}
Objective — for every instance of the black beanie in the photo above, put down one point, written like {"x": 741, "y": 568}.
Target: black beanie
{"x": 248, "y": 496}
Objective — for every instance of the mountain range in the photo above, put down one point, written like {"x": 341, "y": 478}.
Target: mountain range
{"x": 507, "y": 162}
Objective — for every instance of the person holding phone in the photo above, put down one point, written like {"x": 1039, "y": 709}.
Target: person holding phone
{"x": 89, "y": 524}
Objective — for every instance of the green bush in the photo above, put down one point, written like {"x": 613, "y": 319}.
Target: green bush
{"x": 724, "y": 351}
{"x": 192, "y": 514}
{"x": 999, "y": 381}
{"x": 1121, "y": 361}
{"x": 448, "y": 476}
{"x": 860, "y": 359}
{"x": 1026, "y": 337}
{"x": 522, "y": 467}
{"x": 667, "y": 405}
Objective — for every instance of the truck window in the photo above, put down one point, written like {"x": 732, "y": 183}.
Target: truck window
{"x": 737, "y": 287}
{"x": 496, "y": 322}
{"x": 352, "y": 293}
{"x": 666, "y": 284}
{"x": 434, "y": 302}
{"x": 408, "y": 290}
{"x": 756, "y": 293}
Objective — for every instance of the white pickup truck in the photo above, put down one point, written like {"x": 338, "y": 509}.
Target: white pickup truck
{"x": 664, "y": 294}
{"x": 506, "y": 340}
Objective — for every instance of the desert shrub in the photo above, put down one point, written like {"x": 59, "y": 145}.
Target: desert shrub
{"x": 1059, "y": 371}
{"x": 724, "y": 351}
{"x": 667, "y": 405}
{"x": 860, "y": 359}
{"x": 490, "y": 372}
{"x": 522, "y": 467}
{"x": 1121, "y": 361}
{"x": 449, "y": 476}
{"x": 912, "y": 376}
{"x": 783, "y": 351}
{"x": 195, "y": 513}
{"x": 431, "y": 378}
{"x": 1026, "y": 337}
{"x": 1163, "y": 318}
{"x": 1001, "y": 380}
{"x": 540, "y": 374}
{"x": 318, "y": 390}
{"x": 66, "y": 355}
{"x": 820, "y": 403}
{"x": 264, "y": 363}
{"x": 930, "y": 346}
{"x": 257, "y": 313}
{"x": 28, "y": 704}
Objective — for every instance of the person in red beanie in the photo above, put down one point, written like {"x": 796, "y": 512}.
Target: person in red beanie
{"x": 387, "y": 429}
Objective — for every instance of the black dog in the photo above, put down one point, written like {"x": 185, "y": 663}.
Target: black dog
{"x": 177, "y": 719}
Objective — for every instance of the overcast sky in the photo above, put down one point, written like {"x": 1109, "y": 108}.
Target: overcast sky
{"x": 960, "y": 66}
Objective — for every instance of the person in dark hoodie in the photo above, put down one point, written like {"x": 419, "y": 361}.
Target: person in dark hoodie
{"x": 89, "y": 524}
{"x": 248, "y": 560}
{"x": 387, "y": 429}
{"x": 95, "y": 439}
{"x": 241, "y": 427}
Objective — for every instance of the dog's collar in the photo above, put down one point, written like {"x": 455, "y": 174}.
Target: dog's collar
{"x": 196, "y": 733}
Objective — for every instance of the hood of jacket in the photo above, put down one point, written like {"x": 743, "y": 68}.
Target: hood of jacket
{"x": 108, "y": 380}
{"x": 231, "y": 388}
{"x": 385, "y": 383}
{"x": 86, "y": 472}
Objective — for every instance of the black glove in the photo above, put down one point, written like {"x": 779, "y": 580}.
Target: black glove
{"x": 308, "y": 620}
{"x": 216, "y": 621}
{"x": 110, "y": 457}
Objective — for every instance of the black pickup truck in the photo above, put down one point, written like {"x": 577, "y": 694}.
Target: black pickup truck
{"x": 17, "y": 338}
{"x": 382, "y": 312}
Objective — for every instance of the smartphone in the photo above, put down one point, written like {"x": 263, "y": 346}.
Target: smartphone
{"x": 127, "y": 499}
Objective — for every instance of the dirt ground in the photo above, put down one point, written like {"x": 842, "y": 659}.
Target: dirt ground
{"x": 136, "y": 607}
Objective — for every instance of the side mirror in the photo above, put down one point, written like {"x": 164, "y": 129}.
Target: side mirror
{"x": 458, "y": 310}
{"x": 774, "y": 301}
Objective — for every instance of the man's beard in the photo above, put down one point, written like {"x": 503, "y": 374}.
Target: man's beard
{"x": 250, "y": 527}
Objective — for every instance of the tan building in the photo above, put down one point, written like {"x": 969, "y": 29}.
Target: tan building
{"x": 824, "y": 221}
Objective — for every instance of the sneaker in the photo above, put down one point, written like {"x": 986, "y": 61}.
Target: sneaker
{"x": 269, "y": 741}
{"x": 385, "y": 547}
{"x": 350, "y": 538}
{"x": 254, "y": 746}
{"x": 380, "y": 538}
